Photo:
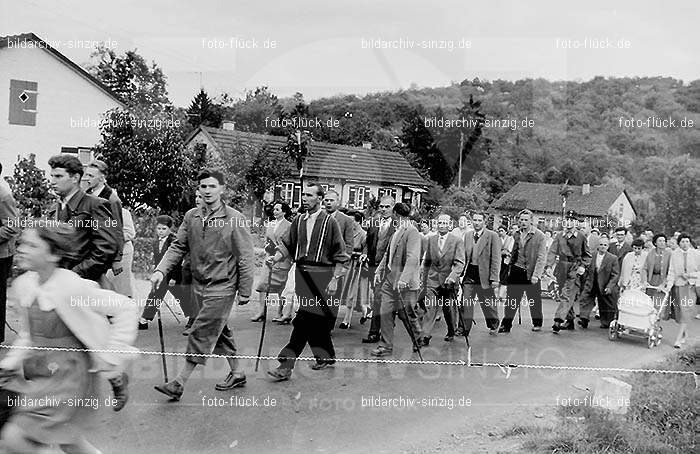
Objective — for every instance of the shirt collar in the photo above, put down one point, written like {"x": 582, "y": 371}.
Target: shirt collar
{"x": 312, "y": 215}
{"x": 67, "y": 198}
{"x": 98, "y": 190}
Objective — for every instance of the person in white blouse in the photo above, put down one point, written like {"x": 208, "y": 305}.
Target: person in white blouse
{"x": 632, "y": 266}
{"x": 683, "y": 274}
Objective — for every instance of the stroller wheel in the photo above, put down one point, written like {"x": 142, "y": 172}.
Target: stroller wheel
{"x": 612, "y": 331}
{"x": 651, "y": 341}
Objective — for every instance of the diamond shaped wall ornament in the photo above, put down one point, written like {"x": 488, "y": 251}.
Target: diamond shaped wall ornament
{"x": 23, "y": 96}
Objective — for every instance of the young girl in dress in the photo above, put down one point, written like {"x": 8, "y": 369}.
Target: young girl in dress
{"x": 58, "y": 386}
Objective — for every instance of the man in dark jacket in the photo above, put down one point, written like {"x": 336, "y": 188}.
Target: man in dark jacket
{"x": 9, "y": 230}
{"x": 315, "y": 243}
{"x": 601, "y": 280}
{"x": 223, "y": 265}
{"x": 97, "y": 237}
{"x": 97, "y": 229}
{"x": 378, "y": 237}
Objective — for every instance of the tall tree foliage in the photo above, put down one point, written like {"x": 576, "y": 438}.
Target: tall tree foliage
{"x": 131, "y": 78}
{"x": 30, "y": 187}
{"x": 204, "y": 111}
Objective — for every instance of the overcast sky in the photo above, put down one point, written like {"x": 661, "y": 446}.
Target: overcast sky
{"x": 319, "y": 48}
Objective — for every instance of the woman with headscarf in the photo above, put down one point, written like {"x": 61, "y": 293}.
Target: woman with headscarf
{"x": 356, "y": 288}
{"x": 683, "y": 275}
{"x": 632, "y": 264}
{"x": 67, "y": 317}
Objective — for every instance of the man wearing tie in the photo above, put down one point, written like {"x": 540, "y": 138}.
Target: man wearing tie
{"x": 400, "y": 268}
{"x": 442, "y": 266}
{"x": 315, "y": 243}
{"x": 601, "y": 279}
{"x": 378, "y": 236}
{"x": 482, "y": 258}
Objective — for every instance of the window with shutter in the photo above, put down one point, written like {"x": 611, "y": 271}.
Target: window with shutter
{"x": 360, "y": 198}
{"x": 296, "y": 201}
{"x": 23, "y": 96}
{"x": 352, "y": 193}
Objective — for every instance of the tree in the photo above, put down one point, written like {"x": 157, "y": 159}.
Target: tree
{"x": 148, "y": 164}
{"x": 256, "y": 112}
{"x": 677, "y": 202}
{"x": 421, "y": 151}
{"x": 129, "y": 77}
{"x": 30, "y": 187}
{"x": 203, "y": 111}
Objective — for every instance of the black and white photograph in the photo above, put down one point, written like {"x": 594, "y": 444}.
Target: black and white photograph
{"x": 349, "y": 227}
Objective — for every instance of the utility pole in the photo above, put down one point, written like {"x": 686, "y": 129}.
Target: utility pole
{"x": 461, "y": 141}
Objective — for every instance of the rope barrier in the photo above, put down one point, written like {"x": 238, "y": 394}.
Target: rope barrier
{"x": 505, "y": 368}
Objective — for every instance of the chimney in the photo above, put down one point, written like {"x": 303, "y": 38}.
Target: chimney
{"x": 228, "y": 125}
{"x": 586, "y": 189}
{"x": 367, "y": 145}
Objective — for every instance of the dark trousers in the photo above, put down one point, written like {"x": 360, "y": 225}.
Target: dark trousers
{"x": 606, "y": 303}
{"x": 5, "y": 270}
{"x": 375, "y": 326}
{"x": 487, "y": 301}
{"x": 182, "y": 293}
{"x": 518, "y": 283}
{"x": 435, "y": 297}
{"x": 209, "y": 332}
{"x": 314, "y": 320}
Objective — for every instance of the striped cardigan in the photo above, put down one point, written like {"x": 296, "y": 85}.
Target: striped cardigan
{"x": 326, "y": 245}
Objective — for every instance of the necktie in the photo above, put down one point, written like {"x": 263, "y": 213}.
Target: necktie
{"x": 62, "y": 212}
{"x": 685, "y": 262}
{"x": 476, "y": 237}
{"x": 441, "y": 242}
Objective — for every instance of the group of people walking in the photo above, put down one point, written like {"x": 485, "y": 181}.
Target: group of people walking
{"x": 316, "y": 262}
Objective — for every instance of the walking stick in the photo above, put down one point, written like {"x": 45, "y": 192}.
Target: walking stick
{"x": 171, "y": 311}
{"x": 162, "y": 347}
{"x": 264, "y": 323}
{"x": 465, "y": 331}
{"x": 407, "y": 325}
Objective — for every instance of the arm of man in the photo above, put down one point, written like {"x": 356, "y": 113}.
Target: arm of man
{"x": 129, "y": 228}
{"x": 553, "y": 250}
{"x": 9, "y": 218}
{"x": 541, "y": 259}
{"x": 104, "y": 243}
{"x": 457, "y": 261}
{"x": 495, "y": 258}
{"x": 413, "y": 250}
{"x": 614, "y": 274}
{"x": 339, "y": 252}
{"x": 242, "y": 243}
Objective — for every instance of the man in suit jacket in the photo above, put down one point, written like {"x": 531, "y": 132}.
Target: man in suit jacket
{"x": 378, "y": 235}
{"x": 482, "y": 258}
{"x": 603, "y": 273}
{"x": 173, "y": 281}
{"x": 331, "y": 202}
{"x": 526, "y": 268}
{"x": 9, "y": 230}
{"x": 570, "y": 255}
{"x": 621, "y": 248}
{"x": 400, "y": 268}
{"x": 443, "y": 264}
{"x": 96, "y": 227}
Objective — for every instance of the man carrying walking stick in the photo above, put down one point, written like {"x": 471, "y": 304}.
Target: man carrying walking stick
{"x": 316, "y": 244}
{"x": 222, "y": 263}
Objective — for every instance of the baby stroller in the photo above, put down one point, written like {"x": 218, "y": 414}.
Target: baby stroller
{"x": 637, "y": 316}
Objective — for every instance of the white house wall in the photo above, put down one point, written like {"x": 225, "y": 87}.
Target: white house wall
{"x": 62, "y": 94}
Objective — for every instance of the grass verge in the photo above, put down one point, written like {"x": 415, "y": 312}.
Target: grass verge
{"x": 662, "y": 417}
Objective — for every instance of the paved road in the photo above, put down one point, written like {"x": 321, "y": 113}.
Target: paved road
{"x": 327, "y": 411}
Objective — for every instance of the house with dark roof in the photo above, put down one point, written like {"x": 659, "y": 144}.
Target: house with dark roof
{"x": 356, "y": 173}
{"x": 54, "y": 105}
{"x": 594, "y": 204}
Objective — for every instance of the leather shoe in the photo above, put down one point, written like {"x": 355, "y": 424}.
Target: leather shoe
{"x": 231, "y": 381}
{"x": 583, "y": 323}
{"x": 259, "y": 318}
{"x": 121, "y": 392}
{"x": 426, "y": 341}
{"x": 380, "y": 351}
{"x": 143, "y": 326}
{"x": 285, "y": 321}
{"x": 536, "y": 329}
{"x": 371, "y": 339}
{"x": 280, "y": 374}
{"x": 322, "y": 364}
{"x": 449, "y": 338}
{"x": 172, "y": 389}
{"x": 556, "y": 328}
{"x": 343, "y": 326}
{"x": 503, "y": 329}
{"x": 569, "y": 325}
